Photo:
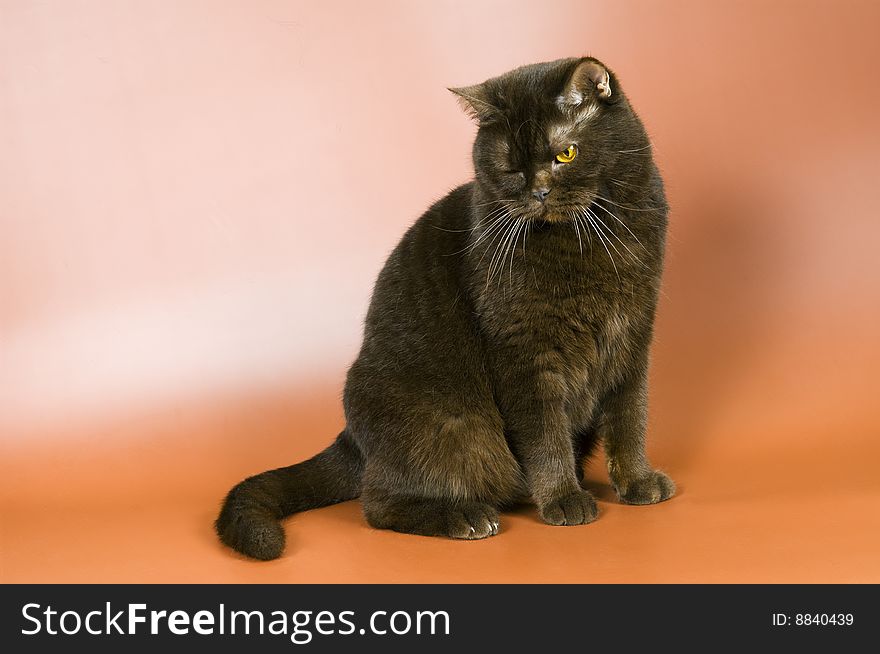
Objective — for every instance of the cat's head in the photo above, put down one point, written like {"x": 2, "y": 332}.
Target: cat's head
{"x": 550, "y": 135}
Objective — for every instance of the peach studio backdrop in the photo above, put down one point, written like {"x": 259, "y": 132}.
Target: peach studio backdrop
{"x": 195, "y": 198}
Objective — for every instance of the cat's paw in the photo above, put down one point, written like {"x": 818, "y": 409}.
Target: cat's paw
{"x": 577, "y": 508}
{"x": 472, "y": 521}
{"x": 650, "y": 489}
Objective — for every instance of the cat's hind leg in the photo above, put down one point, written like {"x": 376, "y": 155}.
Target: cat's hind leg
{"x": 425, "y": 516}
{"x": 449, "y": 479}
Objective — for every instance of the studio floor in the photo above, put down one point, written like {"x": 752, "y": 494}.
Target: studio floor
{"x": 81, "y": 509}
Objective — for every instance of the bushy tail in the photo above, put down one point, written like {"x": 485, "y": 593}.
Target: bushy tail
{"x": 249, "y": 519}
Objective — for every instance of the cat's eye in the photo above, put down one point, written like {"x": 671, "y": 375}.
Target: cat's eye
{"x": 567, "y": 155}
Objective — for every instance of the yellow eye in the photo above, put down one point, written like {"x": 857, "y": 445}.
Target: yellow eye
{"x": 567, "y": 156}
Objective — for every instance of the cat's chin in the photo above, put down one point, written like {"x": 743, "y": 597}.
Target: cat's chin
{"x": 549, "y": 222}
{"x": 551, "y": 217}
{"x": 541, "y": 214}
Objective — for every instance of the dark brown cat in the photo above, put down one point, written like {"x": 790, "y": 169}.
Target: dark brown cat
{"x": 508, "y": 331}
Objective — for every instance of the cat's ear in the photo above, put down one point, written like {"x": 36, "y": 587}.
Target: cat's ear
{"x": 589, "y": 77}
{"x": 475, "y": 102}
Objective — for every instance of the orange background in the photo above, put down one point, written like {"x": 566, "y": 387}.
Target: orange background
{"x": 195, "y": 198}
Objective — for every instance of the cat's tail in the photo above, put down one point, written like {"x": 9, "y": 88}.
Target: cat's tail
{"x": 249, "y": 519}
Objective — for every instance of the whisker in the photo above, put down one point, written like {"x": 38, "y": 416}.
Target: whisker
{"x": 602, "y": 241}
{"x": 495, "y": 227}
{"x": 523, "y": 225}
{"x": 493, "y": 262}
{"x": 529, "y": 120}
{"x": 628, "y": 208}
{"x": 634, "y": 150}
{"x": 578, "y": 232}
{"x": 625, "y": 226}
{"x": 619, "y": 240}
{"x": 499, "y": 235}
{"x": 600, "y": 224}
{"x": 620, "y": 182}
{"x": 505, "y": 248}
{"x": 484, "y": 204}
{"x": 586, "y": 229}
{"x": 497, "y": 222}
{"x": 487, "y": 218}
{"x": 453, "y": 231}
{"x": 494, "y": 212}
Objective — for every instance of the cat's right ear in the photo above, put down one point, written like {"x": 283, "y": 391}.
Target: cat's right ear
{"x": 589, "y": 77}
{"x": 475, "y": 102}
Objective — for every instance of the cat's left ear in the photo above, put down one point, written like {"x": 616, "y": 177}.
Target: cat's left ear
{"x": 589, "y": 77}
{"x": 475, "y": 102}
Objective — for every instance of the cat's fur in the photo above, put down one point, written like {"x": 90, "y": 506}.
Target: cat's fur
{"x": 506, "y": 335}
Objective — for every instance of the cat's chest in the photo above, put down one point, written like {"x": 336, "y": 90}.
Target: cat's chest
{"x": 582, "y": 335}
{"x": 588, "y": 329}
{"x": 569, "y": 317}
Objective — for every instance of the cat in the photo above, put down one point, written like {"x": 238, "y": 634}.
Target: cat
{"x": 508, "y": 332}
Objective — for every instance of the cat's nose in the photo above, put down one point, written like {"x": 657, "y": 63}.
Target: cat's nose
{"x": 541, "y": 193}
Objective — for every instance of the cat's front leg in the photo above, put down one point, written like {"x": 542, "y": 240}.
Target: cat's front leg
{"x": 540, "y": 435}
{"x": 624, "y": 417}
